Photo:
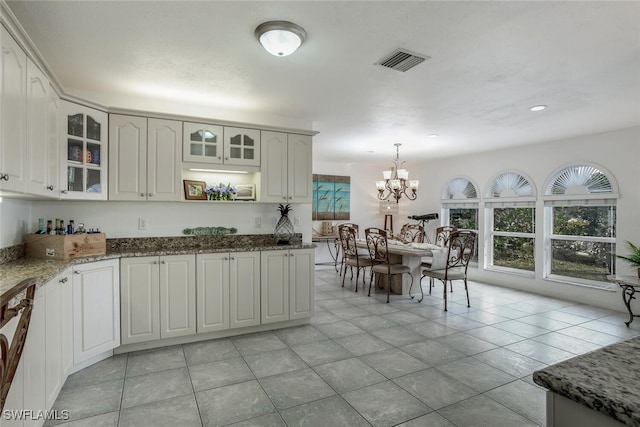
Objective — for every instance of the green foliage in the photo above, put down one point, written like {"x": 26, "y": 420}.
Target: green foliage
{"x": 464, "y": 218}
{"x": 634, "y": 257}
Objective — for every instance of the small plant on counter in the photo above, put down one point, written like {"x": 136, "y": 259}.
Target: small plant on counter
{"x": 221, "y": 192}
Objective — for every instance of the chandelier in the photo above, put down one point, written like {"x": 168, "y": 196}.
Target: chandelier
{"x": 396, "y": 181}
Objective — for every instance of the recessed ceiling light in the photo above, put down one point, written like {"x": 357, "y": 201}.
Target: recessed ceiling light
{"x": 433, "y": 135}
{"x": 537, "y": 108}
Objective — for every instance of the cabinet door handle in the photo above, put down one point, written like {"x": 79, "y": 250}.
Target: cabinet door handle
{"x": 77, "y": 272}
{"x": 50, "y": 187}
{"x": 4, "y": 177}
{"x": 226, "y": 258}
{"x": 233, "y": 258}
{"x": 63, "y": 280}
{"x": 284, "y": 197}
{"x": 155, "y": 262}
{"x": 163, "y": 262}
{"x": 141, "y": 194}
{"x": 64, "y": 191}
{"x": 150, "y": 194}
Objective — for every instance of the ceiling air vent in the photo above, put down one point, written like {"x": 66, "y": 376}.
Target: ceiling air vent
{"x": 402, "y": 60}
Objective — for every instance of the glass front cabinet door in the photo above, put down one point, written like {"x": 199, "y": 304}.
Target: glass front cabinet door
{"x": 202, "y": 143}
{"x": 84, "y": 153}
{"x": 241, "y": 146}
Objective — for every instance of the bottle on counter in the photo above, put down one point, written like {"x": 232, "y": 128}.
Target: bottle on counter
{"x": 70, "y": 229}
{"x": 49, "y": 227}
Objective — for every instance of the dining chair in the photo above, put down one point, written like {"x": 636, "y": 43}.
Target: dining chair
{"x": 357, "y": 228}
{"x": 442, "y": 238}
{"x": 412, "y": 233}
{"x": 351, "y": 257}
{"x": 377, "y": 245}
{"x": 451, "y": 263}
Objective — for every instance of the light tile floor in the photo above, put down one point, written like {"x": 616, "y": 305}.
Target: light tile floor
{"x": 361, "y": 362}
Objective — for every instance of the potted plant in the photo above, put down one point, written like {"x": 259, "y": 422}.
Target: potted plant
{"x": 634, "y": 257}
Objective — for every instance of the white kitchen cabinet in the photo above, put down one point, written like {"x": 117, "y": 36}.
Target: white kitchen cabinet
{"x": 158, "y": 297}
{"x": 84, "y": 149}
{"x": 96, "y": 309}
{"x": 53, "y": 147}
{"x": 241, "y": 146}
{"x": 144, "y": 158}
{"x": 213, "y": 144}
{"x": 140, "y": 299}
{"x": 274, "y": 286}
{"x": 13, "y": 115}
{"x": 55, "y": 335}
{"x": 244, "y": 289}
{"x": 38, "y": 140}
{"x": 66, "y": 319}
{"x": 34, "y": 357}
{"x": 301, "y": 283}
{"x": 287, "y": 284}
{"x": 286, "y": 168}
{"x": 177, "y": 296}
{"x": 228, "y": 290}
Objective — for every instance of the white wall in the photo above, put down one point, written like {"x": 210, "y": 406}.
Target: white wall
{"x": 617, "y": 152}
{"x": 15, "y": 217}
{"x": 120, "y": 219}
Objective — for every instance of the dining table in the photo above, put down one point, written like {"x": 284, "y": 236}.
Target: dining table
{"x": 409, "y": 254}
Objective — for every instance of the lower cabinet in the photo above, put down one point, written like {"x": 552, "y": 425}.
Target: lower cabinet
{"x": 158, "y": 297}
{"x": 96, "y": 309}
{"x": 287, "y": 285}
{"x": 228, "y": 290}
{"x": 34, "y": 360}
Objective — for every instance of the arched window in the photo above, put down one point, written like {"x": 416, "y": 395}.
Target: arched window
{"x": 510, "y": 218}
{"x": 580, "y": 221}
{"x": 460, "y": 204}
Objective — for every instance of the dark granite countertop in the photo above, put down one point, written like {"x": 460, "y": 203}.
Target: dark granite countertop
{"x": 42, "y": 270}
{"x": 605, "y": 380}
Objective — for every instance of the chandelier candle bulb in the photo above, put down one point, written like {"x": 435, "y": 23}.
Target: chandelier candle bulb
{"x": 413, "y": 184}
{"x": 403, "y": 174}
{"x": 386, "y": 175}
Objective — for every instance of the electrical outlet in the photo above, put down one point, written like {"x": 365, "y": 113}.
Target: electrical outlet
{"x": 258, "y": 222}
{"x": 142, "y": 223}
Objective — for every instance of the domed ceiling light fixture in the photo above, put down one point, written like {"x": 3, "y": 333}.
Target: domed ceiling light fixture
{"x": 280, "y": 38}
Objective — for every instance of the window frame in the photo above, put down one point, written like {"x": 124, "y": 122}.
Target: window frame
{"x": 584, "y": 199}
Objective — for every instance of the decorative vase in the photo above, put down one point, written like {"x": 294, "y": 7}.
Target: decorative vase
{"x": 284, "y": 228}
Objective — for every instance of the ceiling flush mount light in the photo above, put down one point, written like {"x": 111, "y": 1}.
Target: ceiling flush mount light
{"x": 280, "y": 38}
{"x": 537, "y": 108}
{"x": 396, "y": 181}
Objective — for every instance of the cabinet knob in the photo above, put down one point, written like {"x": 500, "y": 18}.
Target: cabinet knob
{"x": 284, "y": 197}
{"x": 163, "y": 262}
{"x": 155, "y": 262}
{"x": 76, "y": 272}
{"x": 64, "y": 191}
{"x": 4, "y": 177}
{"x": 226, "y": 158}
{"x": 233, "y": 258}
{"x": 150, "y": 194}
{"x": 226, "y": 258}
{"x": 141, "y": 194}
{"x": 219, "y": 158}
{"x": 63, "y": 280}
{"x": 50, "y": 187}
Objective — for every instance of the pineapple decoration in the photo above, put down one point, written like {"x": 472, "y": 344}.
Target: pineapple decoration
{"x": 284, "y": 228}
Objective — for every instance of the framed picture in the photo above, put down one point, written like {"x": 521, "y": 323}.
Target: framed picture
{"x": 194, "y": 190}
{"x": 246, "y": 192}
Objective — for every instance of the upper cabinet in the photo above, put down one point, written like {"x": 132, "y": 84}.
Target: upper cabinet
{"x": 144, "y": 158}
{"x": 84, "y": 150}
{"x": 40, "y": 143}
{"x": 13, "y": 115}
{"x": 286, "y": 168}
{"x": 205, "y": 143}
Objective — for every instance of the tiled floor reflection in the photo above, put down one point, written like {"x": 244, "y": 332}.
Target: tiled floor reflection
{"x": 361, "y": 362}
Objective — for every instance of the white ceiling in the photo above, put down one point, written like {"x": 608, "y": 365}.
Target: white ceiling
{"x": 490, "y": 62}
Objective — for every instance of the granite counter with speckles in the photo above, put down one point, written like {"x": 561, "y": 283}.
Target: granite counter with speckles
{"x": 13, "y": 271}
{"x": 605, "y": 380}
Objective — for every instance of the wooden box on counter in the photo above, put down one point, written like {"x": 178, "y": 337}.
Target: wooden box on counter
{"x": 66, "y": 247}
